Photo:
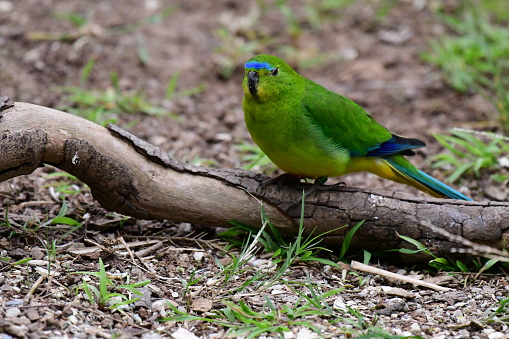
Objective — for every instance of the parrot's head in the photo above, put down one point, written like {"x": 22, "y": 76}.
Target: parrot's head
{"x": 268, "y": 78}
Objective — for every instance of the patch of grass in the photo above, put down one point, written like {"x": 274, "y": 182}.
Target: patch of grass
{"x": 473, "y": 52}
{"x": 284, "y": 253}
{"x": 76, "y": 19}
{"x": 102, "y": 296}
{"x": 31, "y": 226}
{"x": 64, "y": 184}
{"x": 243, "y": 320}
{"x": 496, "y": 90}
{"x": 468, "y": 153}
{"x": 477, "y": 57}
{"x": 498, "y": 314}
{"x": 104, "y": 106}
{"x": 443, "y": 264}
{"x": 187, "y": 284}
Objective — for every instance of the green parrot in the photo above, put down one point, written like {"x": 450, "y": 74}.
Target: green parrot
{"x": 311, "y": 132}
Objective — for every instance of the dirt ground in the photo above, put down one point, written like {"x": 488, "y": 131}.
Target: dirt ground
{"x": 368, "y": 51}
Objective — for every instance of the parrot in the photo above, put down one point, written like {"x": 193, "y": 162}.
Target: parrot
{"x": 311, "y": 132}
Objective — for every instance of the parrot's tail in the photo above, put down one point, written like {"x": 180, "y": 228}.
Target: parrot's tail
{"x": 406, "y": 173}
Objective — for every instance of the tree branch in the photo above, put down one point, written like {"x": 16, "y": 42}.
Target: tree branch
{"x": 132, "y": 177}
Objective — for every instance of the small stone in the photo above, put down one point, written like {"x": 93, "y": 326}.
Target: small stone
{"x": 162, "y": 304}
{"x": 151, "y": 335}
{"x": 305, "y": 333}
{"x": 339, "y": 304}
{"x": 21, "y": 321}
{"x": 12, "y": 312}
{"x": 14, "y": 302}
{"x": 224, "y": 137}
{"x": 225, "y": 261}
{"x": 5, "y": 6}
{"x": 184, "y": 227}
{"x": 496, "y": 193}
{"x": 182, "y": 333}
{"x": 6, "y": 287}
{"x": 496, "y": 335}
{"x": 198, "y": 256}
{"x": 72, "y": 319}
{"x": 37, "y": 254}
{"x": 415, "y": 327}
{"x": 33, "y": 315}
{"x": 504, "y": 162}
{"x": 201, "y": 305}
{"x": 458, "y": 314}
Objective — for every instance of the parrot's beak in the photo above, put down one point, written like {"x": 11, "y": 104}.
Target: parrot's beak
{"x": 252, "y": 82}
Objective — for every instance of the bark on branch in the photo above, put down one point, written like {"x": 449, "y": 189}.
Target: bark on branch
{"x": 132, "y": 177}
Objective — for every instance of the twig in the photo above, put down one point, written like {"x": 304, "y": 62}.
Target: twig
{"x": 127, "y": 248}
{"x": 84, "y": 250}
{"x": 34, "y": 287}
{"x": 370, "y": 269}
{"x": 68, "y": 306}
{"x": 144, "y": 252}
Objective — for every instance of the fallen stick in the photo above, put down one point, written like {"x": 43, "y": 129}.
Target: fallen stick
{"x": 373, "y": 270}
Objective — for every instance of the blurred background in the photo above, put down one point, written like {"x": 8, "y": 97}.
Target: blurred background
{"x": 171, "y": 72}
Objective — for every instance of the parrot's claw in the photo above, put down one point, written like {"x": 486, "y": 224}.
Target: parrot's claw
{"x": 280, "y": 180}
{"x": 318, "y": 185}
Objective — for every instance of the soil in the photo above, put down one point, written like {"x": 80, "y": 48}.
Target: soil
{"x": 368, "y": 51}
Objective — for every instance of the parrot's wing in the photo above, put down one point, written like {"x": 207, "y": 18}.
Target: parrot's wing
{"x": 347, "y": 125}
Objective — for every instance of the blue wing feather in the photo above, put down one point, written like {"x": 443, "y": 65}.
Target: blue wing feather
{"x": 396, "y": 145}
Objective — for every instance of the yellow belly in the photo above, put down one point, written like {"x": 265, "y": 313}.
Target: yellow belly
{"x": 310, "y": 162}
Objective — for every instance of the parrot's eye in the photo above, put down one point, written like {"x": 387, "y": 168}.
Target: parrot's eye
{"x": 275, "y": 71}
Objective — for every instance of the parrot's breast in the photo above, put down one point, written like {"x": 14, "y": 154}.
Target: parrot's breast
{"x": 297, "y": 146}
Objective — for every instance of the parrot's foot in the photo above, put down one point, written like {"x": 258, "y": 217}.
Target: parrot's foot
{"x": 280, "y": 180}
{"x": 318, "y": 185}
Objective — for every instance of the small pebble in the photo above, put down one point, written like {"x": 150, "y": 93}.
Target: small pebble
{"x": 305, "y": 333}
{"x": 182, "y": 333}
{"x": 72, "y": 319}
{"x": 198, "y": 256}
{"x": 6, "y": 6}
{"x": 415, "y": 327}
{"x": 32, "y": 314}
{"x": 201, "y": 305}
{"x": 151, "y": 335}
{"x": 12, "y": 312}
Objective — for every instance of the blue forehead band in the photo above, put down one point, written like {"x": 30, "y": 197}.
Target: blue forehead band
{"x": 258, "y": 65}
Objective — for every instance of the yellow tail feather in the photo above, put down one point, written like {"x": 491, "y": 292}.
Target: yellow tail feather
{"x": 384, "y": 170}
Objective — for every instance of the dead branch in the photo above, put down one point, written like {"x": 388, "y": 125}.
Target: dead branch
{"x": 132, "y": 177}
